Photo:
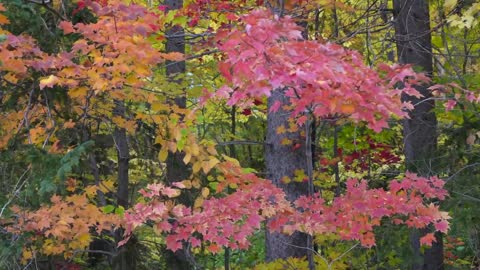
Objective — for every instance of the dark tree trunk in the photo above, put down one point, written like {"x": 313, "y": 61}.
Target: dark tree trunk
{"x": 413, "y": 40}
{"x": 176, "y": 168}
{"x": 282, "y": 160}
{"x": 126, "y": 258}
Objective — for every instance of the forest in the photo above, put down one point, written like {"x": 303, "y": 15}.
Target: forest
{"x": 243, "y": 134}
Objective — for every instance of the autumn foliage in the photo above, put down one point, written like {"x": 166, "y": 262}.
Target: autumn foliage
{"x": 114, "y": 59}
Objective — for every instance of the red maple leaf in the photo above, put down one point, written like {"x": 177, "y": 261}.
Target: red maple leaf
{"x": 428, "y": 239}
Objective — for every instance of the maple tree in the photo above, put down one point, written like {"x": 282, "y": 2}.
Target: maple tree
{"x": 108, "y": 68}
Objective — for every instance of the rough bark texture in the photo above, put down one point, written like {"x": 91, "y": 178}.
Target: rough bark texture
{"x": 176, "y": 168}
{"x": 413, "y": 40}
{"x": 126, "y": 258}
{"x": 121, "y": 144}
{"x": 282, "y": 160}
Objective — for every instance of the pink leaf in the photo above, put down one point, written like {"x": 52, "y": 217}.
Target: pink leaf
{"x": 276, "y": 105}
{"x": 450, "y": 105}
{"x": 67, "y": 27}
{"x": 442, "y": 226}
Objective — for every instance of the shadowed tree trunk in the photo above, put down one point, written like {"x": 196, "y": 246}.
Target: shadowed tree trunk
{"x": 282, "y": 160}
{"x": 126, "y": 258}
{"x": 413, "y": 40}
{"x": 177, "y": 170}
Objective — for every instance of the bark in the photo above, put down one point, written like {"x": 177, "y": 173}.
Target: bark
{"x": 126, "y": 257}
{"x": 121, "y": 144}
{"x": 413, "y": 40}
{"x": 177, "y": 170}
{"x": 282, "y": 160}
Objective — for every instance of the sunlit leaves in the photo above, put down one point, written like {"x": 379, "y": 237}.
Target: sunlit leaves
{"x": 229, "y": 220}
{"x": 325, "y": 79}
{"x": 65, "y": 224}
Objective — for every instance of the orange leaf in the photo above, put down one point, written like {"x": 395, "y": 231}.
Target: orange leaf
{"x": 3, "y": 20}
{"x": 174, "y": 56}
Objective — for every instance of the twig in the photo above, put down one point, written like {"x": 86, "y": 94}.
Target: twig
{"x": 240, "y": 143}
{"x": 15, "y": 190}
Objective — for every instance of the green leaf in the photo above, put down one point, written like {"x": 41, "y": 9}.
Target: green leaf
{"x": 120, "y": 211}
{"x": 108, "y": 209}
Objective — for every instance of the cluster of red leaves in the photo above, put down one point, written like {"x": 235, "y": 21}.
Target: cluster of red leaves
{"x": 360, "y": 160}
{"x": 268, "y": 53}
{"x": 228, "y": 221}
{"x": 354, "y": 214}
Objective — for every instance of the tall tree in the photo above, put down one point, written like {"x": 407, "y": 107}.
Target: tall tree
{"x": 177, "y": 170}
{"x": 125, "y": 259}
{"x": 413, "y": 40}
{"x": 282, "y": 161}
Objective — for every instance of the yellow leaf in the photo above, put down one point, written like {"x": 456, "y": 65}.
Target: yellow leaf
{"x": 163, "y": 154}
{"x": 107, "y": 186}
{"x": 449, "y": 4}
{"x": 159, "y": 106}
{"x": 78, "y": 92}
{"x": 196, "y": 183}
{"x": 26, "y": 255}
{"x": 91, "y": 191}
{"x": 205, "y": 192}
{"x": 281, "y": 129}
{"x": 195, "y": 149}
{"x": 208, "y": 165}
{"x": 211, "y": 150}
{"x": 196, "y": 167}
{"x": 187, "y": 158}
{"x": 230, "y": 159}
{"x": 286, "y": 180}
{"x": 286, "y": 141}
{"x": 198, "y": 203}
{"x": 10, "y": 77}
{"x": 119, "y": 121}
{"x": 187, "y": 184}
{"x": 48, "y": 82}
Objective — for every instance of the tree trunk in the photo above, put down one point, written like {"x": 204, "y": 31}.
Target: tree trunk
{"x": 283, "y": 160}
{"x": 413, "y": 40}
{"x": 177, "y": 170}
{"x": 126, "y": 258}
